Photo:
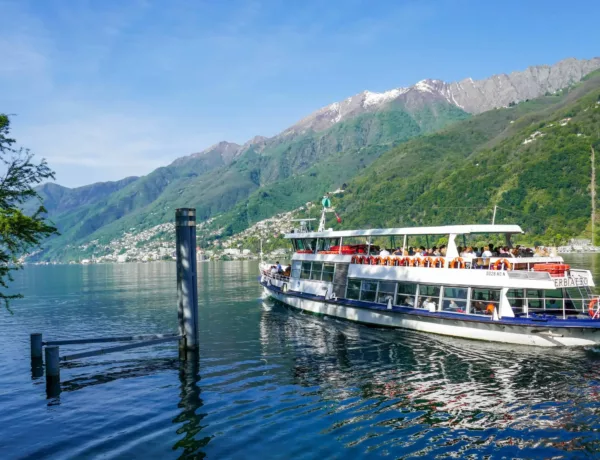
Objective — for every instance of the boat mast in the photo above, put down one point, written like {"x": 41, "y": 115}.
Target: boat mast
{"x": 593, "y": 191}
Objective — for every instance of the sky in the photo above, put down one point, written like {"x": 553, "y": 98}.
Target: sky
{"x": 115, "y": 88}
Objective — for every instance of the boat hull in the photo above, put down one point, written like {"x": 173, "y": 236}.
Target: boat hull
{"x": 537, "y": 335}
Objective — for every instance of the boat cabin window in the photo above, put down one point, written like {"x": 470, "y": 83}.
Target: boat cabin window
{"x": 535, "y": 299}
{"x": 386, "y": 291}
{"x": 484, "y": 301}
{"x": 296, "y": 265}
{"x": 455, "y": 299}
{"x": 328, "y": 272}
{"x": 516, "y": 299}
{"x": 368, "y": 290}
{"x": 305, "y": 271}
{"x": 305, "y": 245}
{"x": 429, "y": 297}
{"x": 353, "y": 290}
{"x": 406, "y": 294}
{"x": 329, "y": 245}
{"x": 317, "y": 269}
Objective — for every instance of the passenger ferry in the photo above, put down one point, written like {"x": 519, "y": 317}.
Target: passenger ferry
{"x": 524, "y": 300}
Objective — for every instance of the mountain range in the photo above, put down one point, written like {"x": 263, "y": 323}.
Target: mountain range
{"x": 240, "y": 184}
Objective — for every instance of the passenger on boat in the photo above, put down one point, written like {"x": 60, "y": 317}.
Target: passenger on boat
{"x": 492, "y": 250}
{"x": 384, "y": 253}
{"x": 435, "y": 251}
{"x": 443, "y": 250}
{"x": 429, "y": 304}
{"x": 423, "y": 251}
{"x": 409, "y": 301}
{"x": 279, "y": 267}
{"x": 273, "y": 270}
{"x": 411, "y": 251}
{"x": 487, "y": 252}
{"x": 397, "y": 252}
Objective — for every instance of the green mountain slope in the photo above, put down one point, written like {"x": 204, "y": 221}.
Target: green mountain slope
{"x": 311, "y": 160}
{"x": 533, "y": 160}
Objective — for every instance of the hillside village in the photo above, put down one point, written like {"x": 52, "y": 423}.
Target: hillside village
{"x": 158, "y": 242}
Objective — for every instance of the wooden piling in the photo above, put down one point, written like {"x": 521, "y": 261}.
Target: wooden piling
{"x": 187, "y": 287}
{"x": 36, "y": 345}
{"x": 52, "y": 362}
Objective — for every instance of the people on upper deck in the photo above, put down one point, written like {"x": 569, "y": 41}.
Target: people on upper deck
{"x": 411, "y": 251}
{"x": 467, "y": 253}
{"x": 397, "y": 252}
{"x": 443, "y": 250}
{"x": 487, "y": 253}
{"x": 279, "y": 267}
{"x": 435, "y": 251}
{"x": 384, "y": 253}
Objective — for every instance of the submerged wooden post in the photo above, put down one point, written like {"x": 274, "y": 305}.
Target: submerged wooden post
{"x": 36, "y": 345}
{"x": 52, "y": 362}
{"x": 187, "y": 287}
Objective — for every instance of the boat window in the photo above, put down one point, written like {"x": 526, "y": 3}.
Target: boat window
{"x": 329, "y": 244}
{"x": 295, "y": 244}
{"x": 386, "y": 291}
{"x": 328, "y": 271}
{"x": 305, "y": 271}
{"x": 429, "y": 296}
{"x": 535, "y": 299}
{"x": 455, "y": 299}
{"x": 484, "y": 301}
{"x": 368, "y": 290}
{"x": 406, "y": 294}
{"x": 317, "y": 268}
{"x": 353, "y": 291}
{"x": 516, "y": 299}
{"x": 296, "y": 265}
{"x": 306, "y": 245}
{"x": 553, "y": 294}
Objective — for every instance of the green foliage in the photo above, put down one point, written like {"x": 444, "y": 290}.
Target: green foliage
{"x": 252, "y": 187}
{"x": 20, "y": 232}
{"x": 459, "y": 174}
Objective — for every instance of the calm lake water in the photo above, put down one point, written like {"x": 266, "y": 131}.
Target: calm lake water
{"x": 275, "y": 383}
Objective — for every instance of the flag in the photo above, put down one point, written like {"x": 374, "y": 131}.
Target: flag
{"x": 339, "y": 219}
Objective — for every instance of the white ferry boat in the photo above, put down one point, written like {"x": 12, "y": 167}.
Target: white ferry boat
{"x": 524, "y": 300}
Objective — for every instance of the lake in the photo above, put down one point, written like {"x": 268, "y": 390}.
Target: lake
{"x": 275, "y": 383}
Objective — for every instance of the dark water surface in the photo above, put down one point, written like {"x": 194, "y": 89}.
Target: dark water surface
{"x": 275, "y": 383}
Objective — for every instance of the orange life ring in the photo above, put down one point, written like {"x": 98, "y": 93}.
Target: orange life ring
{"x": 356, "y": 260}
{"x": 428, "y": 262}
{"x": 500, "y": 263}
{"x": 439, "y": 262}
{"x": 457, "y": 261}
{"x": 374, "y": 260}
{"x": 490, "y": 309}
{"x": 416, "y": 262}
{"x": 404, "y": 262}
{"x": 591, "y": 311}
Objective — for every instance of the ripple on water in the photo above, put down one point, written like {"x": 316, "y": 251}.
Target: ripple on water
{"x": 276, "y": 383}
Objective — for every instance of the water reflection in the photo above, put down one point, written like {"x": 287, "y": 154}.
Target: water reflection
{"x": 190, "y": 403}
{"x": 376, "y": 382}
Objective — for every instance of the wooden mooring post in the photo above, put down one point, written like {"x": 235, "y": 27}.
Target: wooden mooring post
{"x": 187, "y": 314}
{"x": 187, "y": 281}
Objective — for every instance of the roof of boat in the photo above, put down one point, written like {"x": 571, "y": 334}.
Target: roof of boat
{"x": 442, "y": 230}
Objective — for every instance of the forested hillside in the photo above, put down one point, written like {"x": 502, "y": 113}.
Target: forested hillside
{"x": 215, "y": 183}
{"x": 533, "y": 160}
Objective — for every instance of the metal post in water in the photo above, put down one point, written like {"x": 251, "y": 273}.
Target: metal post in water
{"x": 52, "y": 362}
{"x": 187, "y": 287}
{"x": 36, "y": 345}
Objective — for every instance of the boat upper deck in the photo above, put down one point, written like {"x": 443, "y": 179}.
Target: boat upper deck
{"x": 413, "y": 231}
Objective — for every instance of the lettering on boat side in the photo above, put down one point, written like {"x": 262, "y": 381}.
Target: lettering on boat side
{"x": 496, "y": 273}
{"x": 570, "y": 281}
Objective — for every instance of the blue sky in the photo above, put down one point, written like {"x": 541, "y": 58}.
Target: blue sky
{"x": 107, "y": 89}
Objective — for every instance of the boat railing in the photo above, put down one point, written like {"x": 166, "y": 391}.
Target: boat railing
{"x": 481, "y": 263}
{"x": 275, "y": 276}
